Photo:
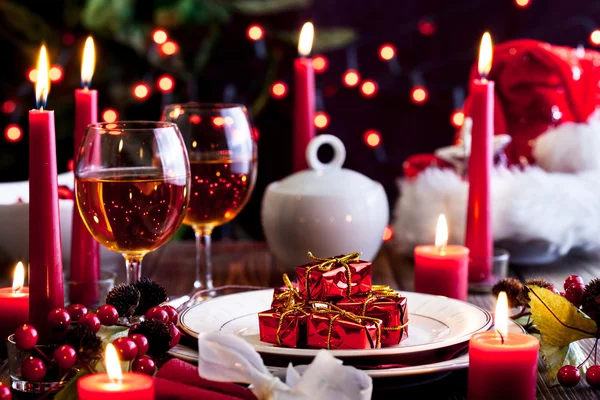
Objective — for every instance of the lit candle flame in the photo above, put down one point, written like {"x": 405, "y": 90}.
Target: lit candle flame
{"x": 18, "y": 278}
{"x": 88, "y": 62}
{"x": 305, "y": 42}
{"x": 42, "y": 85}
{"x": 501, "y": 317}
{"x": 441, "y": 234}
{"x": 113, "y": 366}
{"x": 485, "y": 55}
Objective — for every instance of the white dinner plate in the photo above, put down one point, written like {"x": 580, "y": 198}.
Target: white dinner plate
{"x": 435, "y": 323}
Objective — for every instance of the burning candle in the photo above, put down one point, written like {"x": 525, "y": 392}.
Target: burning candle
{"x": 502, "y": 365}
{"x": 14, "y": 305}
{"x": 479, "y": 237}
{"x": 45, "y": 263}
{"x": 115, "y": 384}
{"x": 85, "y": 253}
{"x": 441, "y": 269}
{"x": 304, "y": 97}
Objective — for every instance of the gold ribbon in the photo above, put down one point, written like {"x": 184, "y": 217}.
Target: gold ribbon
{"x": 291, "y": 296}
{"x": 327, "y": 263}
{"x": 381, "y": 291}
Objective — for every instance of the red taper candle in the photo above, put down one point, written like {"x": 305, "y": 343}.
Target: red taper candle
{"x": 479, "y": 234}
{"x": 45, "y": 263}
{"x": 304, "y": 98}
{"x": 85, "y": 251}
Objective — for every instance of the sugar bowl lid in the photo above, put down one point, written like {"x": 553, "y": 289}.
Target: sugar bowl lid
{"x": 325, "y": 178}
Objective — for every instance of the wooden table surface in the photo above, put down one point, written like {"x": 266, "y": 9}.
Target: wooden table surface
{"x": 250, "y": 263}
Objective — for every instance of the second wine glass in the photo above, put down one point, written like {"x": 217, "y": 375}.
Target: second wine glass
{"x": 222, "y": 150}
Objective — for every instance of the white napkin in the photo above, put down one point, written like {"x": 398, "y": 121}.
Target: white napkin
{"x": 228, "y": 358}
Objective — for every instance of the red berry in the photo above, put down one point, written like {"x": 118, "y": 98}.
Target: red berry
{"x": 568, "y": 376}
{"x": 59, "y": 320}
{"x": 574, "y": 293}
{"x": 592, "y": 376}
{"x": 144, "y": 365}
{"x": 126, "y": 348}
{"x": 562, "y": 294}
{"x": 76, "y": 311}
{"x": 92, "y": 321}
{"x": 157, "y": 313}
{"x": 552, "y": 289}
{"x": 571, "y": 280}
{"x": 141, "y": 342}
{"x": 33, "y": 369}
{"x": 65, "y": 356}
{"x": 5, "y": 393}
{"x": 175, "y": 334}
{"x": 108, "y": 315}
{"x": 173, "y": 315}
{"x": 26, "y": 337}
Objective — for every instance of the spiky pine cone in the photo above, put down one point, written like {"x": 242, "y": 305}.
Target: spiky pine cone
{"x": 591, "y": 300}
{"x": 158, "y": 335}
{"x": 125, "y": 298}
{"x": 85, "y": 342}
{"x": 541, "y": 282}
{"x": 151, "y": 295}
{"x": 514, "y": 291}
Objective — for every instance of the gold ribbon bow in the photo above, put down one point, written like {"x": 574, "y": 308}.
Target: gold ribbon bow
{"x": 381, "y": 291}
{"x": 327, "y": 263}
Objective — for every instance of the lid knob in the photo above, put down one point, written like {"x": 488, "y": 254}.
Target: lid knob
{"x": 339, "y": 152}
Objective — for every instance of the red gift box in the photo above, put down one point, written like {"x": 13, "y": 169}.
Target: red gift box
{"x": 335, "y": 330}
{"x": 285, "y": 328}
{"x": 327, "y": 279}
{"x": 390, "y": 308}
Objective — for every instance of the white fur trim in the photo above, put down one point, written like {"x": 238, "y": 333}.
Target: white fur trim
{"x": 560, "y": 209}
{"x": 570, "y": 147}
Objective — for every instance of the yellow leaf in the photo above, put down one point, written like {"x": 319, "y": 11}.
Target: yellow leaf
{"x": 558, "y": 321}
{"x": 556, "y": 357}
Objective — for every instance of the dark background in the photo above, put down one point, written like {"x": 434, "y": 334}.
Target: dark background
{"x": 217, "y": 62}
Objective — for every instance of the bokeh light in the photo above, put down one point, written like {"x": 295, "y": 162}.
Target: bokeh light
{"x": 351, "y": 78}
{"x": 169, "y": 48}
{"x": 109, "y": 115}
{"x": 141, "y": 91}
{"x": 387, "y": 51}
{"x": 369, "y": 88}
{"x": 457, "y": 119}
{"x": 320, "y": 64}
{"x": 321, "y": 120}
{"x": 13, "y": 133}
{"x": 522, "y": 3}
{"x": 387, "y": 233}
{"x": 372, "y": 138}
{"x": 255, "y": 32}
{"x": 55, "y": 73}
{"x": 9, "y": 106}
{"x": 595, "y": 37}
{"x": 218, "y": 121}
{"x": 426, "y": 27}
{"x": 159, "y": 36}
{"x": 32, "y": 75}
{"x": 279, "y": 90}
{"x": 419, "y": 95}
{"x": 165, "y": 83}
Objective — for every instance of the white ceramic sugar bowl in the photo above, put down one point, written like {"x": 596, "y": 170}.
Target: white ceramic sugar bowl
{"x": 326, "y": 209}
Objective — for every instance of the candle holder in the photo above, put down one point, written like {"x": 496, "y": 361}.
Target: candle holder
{"x": 90, "y": 294}
{"x": 500, "y": 262}
{"x": 16, "y": 357}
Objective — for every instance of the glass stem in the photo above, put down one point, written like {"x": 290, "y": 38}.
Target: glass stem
{"x": 203, "y": 259}
{"x": 134, "y": 267}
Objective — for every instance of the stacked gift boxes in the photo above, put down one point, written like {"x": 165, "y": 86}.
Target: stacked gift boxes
{"x": 335, "y": 306}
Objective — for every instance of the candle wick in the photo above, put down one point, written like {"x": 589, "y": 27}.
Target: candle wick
{"x": 441, "y": 250}
{"x": 17, "y": 289}
{"x": 501, "y": 336}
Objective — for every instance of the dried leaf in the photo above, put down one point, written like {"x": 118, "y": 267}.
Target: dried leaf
{"x": 555, "y": 357}
{"x": 326, "y": 39}
{"x": 265, "y": 7}
{"x": 559, "y": 322}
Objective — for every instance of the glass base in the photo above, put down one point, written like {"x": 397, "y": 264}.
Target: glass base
{"x": 91, "y": 294}
{"x": 500, "y": 263}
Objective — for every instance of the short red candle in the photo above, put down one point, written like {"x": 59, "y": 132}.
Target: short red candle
{"x": 442, "y": 273}
{"x": 479, "y": 234}
{"x": 85, "y": 251}
{"x": 14, "y": 311}
{"x": 304, "y": 99}
{"x": 133, "y": 386}
{"x": 502, "y": 365}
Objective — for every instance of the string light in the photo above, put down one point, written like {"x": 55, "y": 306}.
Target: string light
{"x": 255, "y": 32}
{"x": 387, "y": 51}
{"x": 457, "y": 119}
{"x": 165, "y": 83}
{"x": 419, "y": 94}
{"x": 372, "y": 138}
{"x": 369, "y": 88}
{"x": 9, "y": 106}
{"x": 387, "y": 233}
{"x": 426, "y": 26}
{"x": 169, "y": 48}
{"x": 595, "y": 37}
{"x": 279, "y": 90}
{"x": 13, "y": 133}
{"x": 55, "y": 73}
{"x": 320, "y": 64}
{"x": 159, "y": 36}
{"x": 321, "y": 120}
{"x": 32, "y": 75}
{"x": 351, "y": 78}
{"x": 141, "y": 91}
{"x": 522, "y": 3}
{"x": 109, "y": 115}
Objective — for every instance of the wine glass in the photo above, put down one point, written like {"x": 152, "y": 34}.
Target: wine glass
{"x": 222, "y": 150}
{"x": 132, "y": 184}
